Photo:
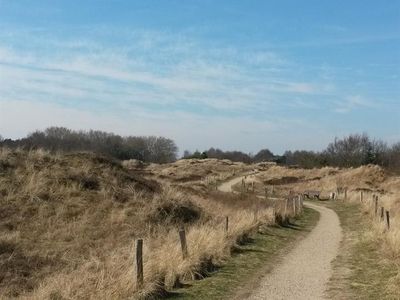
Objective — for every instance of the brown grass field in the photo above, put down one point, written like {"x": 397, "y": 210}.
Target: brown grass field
{"x": 68, "y": 222}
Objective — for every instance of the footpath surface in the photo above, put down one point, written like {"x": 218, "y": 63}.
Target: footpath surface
{"x": 305, "y": 271}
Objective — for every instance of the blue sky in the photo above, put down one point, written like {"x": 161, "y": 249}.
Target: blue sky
{"x": 231, "y": 74}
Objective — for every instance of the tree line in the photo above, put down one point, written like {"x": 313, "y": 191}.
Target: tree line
{"x": 145, "y": 148}
{"x": 237, "y": 156}
{"x": 351, "y": 151}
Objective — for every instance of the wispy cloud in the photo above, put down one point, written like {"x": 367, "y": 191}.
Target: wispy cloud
{"x": 148, "y": 82}
{"x": 213, "y": 78}
{"x": 353, "y": 102}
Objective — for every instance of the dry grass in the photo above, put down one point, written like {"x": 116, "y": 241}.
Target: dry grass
{"x": 388, "y": 239}
{"x": 68, "y": 225}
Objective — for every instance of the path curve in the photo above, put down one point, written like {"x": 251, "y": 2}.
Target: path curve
{"x": 306, "y": 270}
{"x": 227, "y": 186}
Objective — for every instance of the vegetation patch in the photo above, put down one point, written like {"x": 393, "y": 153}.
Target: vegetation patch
{"x": 361, "y": 269}
{"x": 282, "y": 180}
{"x": 172, "y": 212}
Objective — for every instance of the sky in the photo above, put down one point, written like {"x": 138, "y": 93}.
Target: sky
{"x": 241, "y": 75}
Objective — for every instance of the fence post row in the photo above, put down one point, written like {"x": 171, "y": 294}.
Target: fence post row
{"x": 182, "y": 237}
{"x": 139, "y": 263}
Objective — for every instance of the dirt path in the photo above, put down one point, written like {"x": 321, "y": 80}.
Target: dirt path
{"x": 305, "y": 271}
{"x": 227, "y": 186}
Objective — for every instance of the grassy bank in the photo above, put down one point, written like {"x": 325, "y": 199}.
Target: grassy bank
{"x": 361, "y": 269}
{"x": 251, "y": 260}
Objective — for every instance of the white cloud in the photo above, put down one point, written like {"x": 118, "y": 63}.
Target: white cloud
{"x": 353, "y": 102}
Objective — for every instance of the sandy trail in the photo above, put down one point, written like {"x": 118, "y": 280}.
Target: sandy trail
{"x": 227, "y": 186}
{"x": 305, "y": 271}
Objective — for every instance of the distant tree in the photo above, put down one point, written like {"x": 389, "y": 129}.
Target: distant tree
{"x": 161, "y": 150}
{"x": 186, "y": 154}
{"x": 351, "y": 151}
{"x": 304, "y": 159}
{"x": 237, "y": 156}
{"x": 393, "y": 158}
{"x": 264, "y": 155}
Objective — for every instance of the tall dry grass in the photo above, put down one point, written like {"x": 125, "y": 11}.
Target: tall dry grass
{"x": 164, "y": 267}
{"x": 69, "y": 222}
{"x": 387, "y": 238}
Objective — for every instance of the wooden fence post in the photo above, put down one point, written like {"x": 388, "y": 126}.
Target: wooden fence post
{"x": 294, "y": 206}
{"x": 361, "y": 196}
{"x": 345, "y": 194}
{"x": 382, "y": 212}
{"x": 182, "y": 237}
{"x": 387, "y": 220}
{"x": 286, "y": 207}
{"x": 139, "y": 263}
{"x": 376, "y": 206}
{"x": 226, "y": 224}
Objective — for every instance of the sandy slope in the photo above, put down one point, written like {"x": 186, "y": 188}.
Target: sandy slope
{"x": 306, "y": 270}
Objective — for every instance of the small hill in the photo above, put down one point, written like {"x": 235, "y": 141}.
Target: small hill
{"x": 68, "y": 223}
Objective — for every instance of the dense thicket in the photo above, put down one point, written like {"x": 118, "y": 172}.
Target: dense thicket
{"x": 262, "y": 155}
{"x": 352, "y": 151}
{"x": 145, "y": 148}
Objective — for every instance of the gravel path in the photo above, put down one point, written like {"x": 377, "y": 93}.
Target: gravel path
{"x": 306, "y": 270}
